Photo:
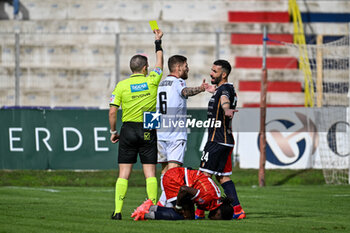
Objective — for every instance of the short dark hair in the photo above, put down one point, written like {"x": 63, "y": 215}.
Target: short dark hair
{"x": 174, "y": 60}
{"x": 226, "y": 67}
{"x": 137, "y": 62}
{"x": 226, "y": 209}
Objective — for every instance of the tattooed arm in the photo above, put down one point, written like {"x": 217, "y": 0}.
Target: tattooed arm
{"x": 225, "y": 104}
{"x": 191, "y": 91}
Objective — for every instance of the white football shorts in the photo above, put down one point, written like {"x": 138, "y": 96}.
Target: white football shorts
{"x": 171, "y": 151}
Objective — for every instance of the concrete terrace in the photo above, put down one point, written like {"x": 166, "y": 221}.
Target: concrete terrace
{"x": 67, "y": 48}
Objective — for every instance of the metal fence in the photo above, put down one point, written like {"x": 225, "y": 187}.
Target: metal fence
{"x": 78, "y": 69}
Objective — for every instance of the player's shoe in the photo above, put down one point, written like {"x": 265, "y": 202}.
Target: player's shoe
{"x": 116, "y": 216}
{"x": 139, "y": 213}
{"x": 199, "y": 214}
{"x": 238, "y": 212}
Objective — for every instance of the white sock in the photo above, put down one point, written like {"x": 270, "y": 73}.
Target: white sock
{"x": 162, "y": 198}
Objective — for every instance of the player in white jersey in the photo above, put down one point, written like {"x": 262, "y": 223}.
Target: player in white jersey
{"x": 171, "y": 102}
{"x": 172, "y": 105}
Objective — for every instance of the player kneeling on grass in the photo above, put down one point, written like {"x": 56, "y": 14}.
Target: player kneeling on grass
{"x": 186, "y": 212}
{"x": 183, "y": 188}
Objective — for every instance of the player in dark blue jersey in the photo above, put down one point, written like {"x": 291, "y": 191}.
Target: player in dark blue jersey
{"x": 224, "y": 95}
{"x": 216, "y": 159}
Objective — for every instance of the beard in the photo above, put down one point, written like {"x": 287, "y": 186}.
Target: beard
{"x": 184, "y": 76}
{"x": 216, "y": 80}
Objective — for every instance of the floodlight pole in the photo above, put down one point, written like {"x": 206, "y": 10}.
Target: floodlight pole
{"x": 17, "y": 68}
{"x": 117, "y": 58}
{"x": 217, "y": 42}
{"x": 348, "y": 114}
{"x": 262, "y": 133}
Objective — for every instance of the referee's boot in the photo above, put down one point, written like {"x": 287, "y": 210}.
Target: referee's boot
{"x": 116, "y": 216}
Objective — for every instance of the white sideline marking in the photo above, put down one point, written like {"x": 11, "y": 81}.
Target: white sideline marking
{"x": 108, "y": 190}
{"x": 50, "y": 190}
{"x": 100, "y": 191}
{"x": 40, "y": 189}
{"x": 341, "y": 195}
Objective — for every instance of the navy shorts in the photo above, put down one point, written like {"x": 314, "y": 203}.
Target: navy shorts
{"x": 216, "y": 159}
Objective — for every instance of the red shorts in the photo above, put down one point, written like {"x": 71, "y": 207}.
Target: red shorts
{"x": 208, "y": 195}
{"x": 173, "y": 179}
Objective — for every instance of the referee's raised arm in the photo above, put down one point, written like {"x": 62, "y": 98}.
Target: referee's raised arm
{"x": 159, "y": 50}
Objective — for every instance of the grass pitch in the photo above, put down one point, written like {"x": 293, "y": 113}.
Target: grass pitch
{"x": 275, "y": 208}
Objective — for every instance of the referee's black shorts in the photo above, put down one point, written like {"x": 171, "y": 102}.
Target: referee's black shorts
{"x": 134, "y": 139}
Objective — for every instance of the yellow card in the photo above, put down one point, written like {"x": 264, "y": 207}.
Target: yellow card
{"x": 153, "y": 25}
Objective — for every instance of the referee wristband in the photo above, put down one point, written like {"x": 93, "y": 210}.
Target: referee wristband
{"x": 113, "y": 132}
{"x": 158, "y": 44}
{"x": 178, "y": 207}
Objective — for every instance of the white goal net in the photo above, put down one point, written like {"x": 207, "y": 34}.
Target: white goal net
{"x": 326, "y": 72}
{"x": 329, "y": 65}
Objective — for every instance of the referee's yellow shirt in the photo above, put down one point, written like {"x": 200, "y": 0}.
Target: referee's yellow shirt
{"x": 136, "y": 95}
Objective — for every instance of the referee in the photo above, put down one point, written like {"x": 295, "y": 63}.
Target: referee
{"x": 136, "y": 95}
